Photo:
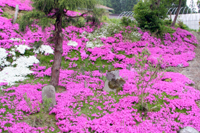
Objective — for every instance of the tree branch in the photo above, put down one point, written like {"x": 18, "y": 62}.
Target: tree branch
{"x": 77, "y": 16}
{"x": 52, "y": 11}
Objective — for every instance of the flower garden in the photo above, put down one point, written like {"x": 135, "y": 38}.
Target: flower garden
{"x": 25, "y": 67}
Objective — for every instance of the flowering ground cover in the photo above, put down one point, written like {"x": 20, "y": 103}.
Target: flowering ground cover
{"x": 25, "y": 67}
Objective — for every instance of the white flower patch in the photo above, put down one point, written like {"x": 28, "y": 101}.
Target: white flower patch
{"x": 14, "y": 58}
{"x": 72, "y": 43}
{"x": 15, "y": 39}
{"x": 12, "y": 74}
{"x": 12, "y": 52}
{"x": 3, "y": 56}
{"x": 24, "y": 61}
{"x": 96, "y": 43}
{"x": 89, "y": 45}
{"x": 136, "y": 34}
{"x": 46, "y": 49}
{"x": 22, "y": 48}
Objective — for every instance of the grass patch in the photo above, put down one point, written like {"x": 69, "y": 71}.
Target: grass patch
{"x": 169, "y": 69}
{"x": 33, "y": 80}
{"x": 90, "y": 106}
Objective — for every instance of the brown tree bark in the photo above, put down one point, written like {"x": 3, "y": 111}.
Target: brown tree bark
{"x": 179, "y": 7}
{"x": 58, "y": 50}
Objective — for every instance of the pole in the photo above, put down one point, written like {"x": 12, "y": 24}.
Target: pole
{"x": 16, "y": 12}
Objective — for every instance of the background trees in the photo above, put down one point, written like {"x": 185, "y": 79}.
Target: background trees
{"x": 48, "y": 12}
{"x": 119, "y": 5}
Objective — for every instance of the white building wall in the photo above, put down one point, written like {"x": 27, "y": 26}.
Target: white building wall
{"x": 191, "y": 20}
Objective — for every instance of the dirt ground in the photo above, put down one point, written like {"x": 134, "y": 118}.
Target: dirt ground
{"x": 193, "y": 70}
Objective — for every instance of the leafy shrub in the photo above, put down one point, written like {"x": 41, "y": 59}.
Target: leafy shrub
{"x": 182, "y": 25}
{"x": 149, "y": 17}
{"x": 78, "y": 22}
{"x": 168, "y": 22}
{"x": 113, "y": 29}
{"x": 93, "y": 20}
{"x": 105, "y": 18}
{"x": 37, "y": 44}
{"x": 6, "y": 15}
{"x": 42, "y": 118}
{"x": 114, "y": 21}
{"x": 167, "y": 29}
{"x": 125, "y": 21}
{"x": 145, "y": 69}
{"x": 170, "y": 69}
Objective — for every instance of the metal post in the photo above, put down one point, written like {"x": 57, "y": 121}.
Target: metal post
{"x": 16, "y": 12}
{"x": 170, "y": 15}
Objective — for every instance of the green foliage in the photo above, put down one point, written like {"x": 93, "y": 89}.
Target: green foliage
{"x": 149, "y": 16}
{"x": 111, "y": 29}
{"x": 167, "y": 29}
{"x": 170, "y": 69}
{"x": 114, "y": 21}
{"x": 42, "y": 118}
{"x": 122, "y": 5}
{"x": 37, "y": 44}
{"x": 88, "y": 109}
{"x": 125, "y": 21}
{"x": 94, "y": 20}
{"x": 46, "y": 104}
{"x": 168, "y": 22}
{"x": 105, "y": 2}
{"x": 34, "y": 17}
{"x": 6, "y": 15}
{"x": 31, "y": 79}
{"x": 28, "y": 101}
{"x": 182, "y": 25}
{"x": 105, "y": 18}
{"x": 43, "y": 7}
{"x": 99, "y": 12}
{"x": 78, "y": 22}
{"x": 145, "y": 69}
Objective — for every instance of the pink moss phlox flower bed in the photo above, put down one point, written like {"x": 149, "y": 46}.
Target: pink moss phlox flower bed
{"x": 23, "y": 4}
{"x": 116, "y": 116}
{"x": 122, "y": 115}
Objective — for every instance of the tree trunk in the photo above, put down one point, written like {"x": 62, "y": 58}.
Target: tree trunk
{"x": 179, "y": 7}
{"x": 58, "y": 50}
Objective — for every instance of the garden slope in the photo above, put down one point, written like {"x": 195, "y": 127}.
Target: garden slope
{"x": 193, "y": 70}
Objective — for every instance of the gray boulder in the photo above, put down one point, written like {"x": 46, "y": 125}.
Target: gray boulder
{"x": 113, "y": 75}
{"x": 108, "y": 89}
{"x": 49, "y": 92}
{"x": 188, "y": 129}
{"x": 114, "y": 82}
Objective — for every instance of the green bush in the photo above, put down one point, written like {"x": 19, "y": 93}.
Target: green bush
{"x": 149, "y": 16}
{"x": 6, "y": 15}
{"x": 167, "y": 29}
{"x": 105, "y": 18}
{"x": 78, "y": 22}
{"x": 114, "y": 21}
{"x": 168, "y": 22}
{"x": 182, "y": 25}
{"x": 125, "y": 21}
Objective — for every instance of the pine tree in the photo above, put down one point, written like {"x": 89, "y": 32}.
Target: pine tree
{"x": 58, "y": 10}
